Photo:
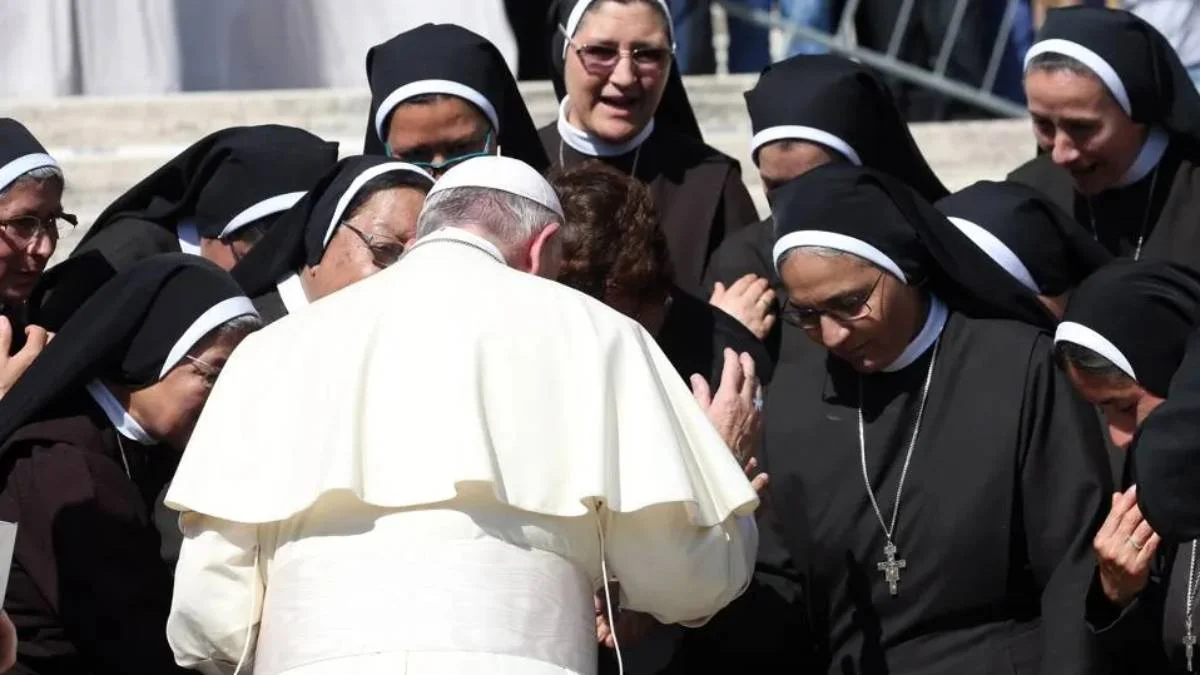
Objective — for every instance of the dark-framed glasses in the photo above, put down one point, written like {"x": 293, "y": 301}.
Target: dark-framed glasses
{"x": 27, "y": 228}
{"x": 384, "y": 252}
{"x": 421, "y": 158}
{"x": 844, "y": 309}
{"x": 602, "y": 59}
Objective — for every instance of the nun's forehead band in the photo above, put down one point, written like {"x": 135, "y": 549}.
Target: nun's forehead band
{"x": 1079, "y": 334}
{"x": 997, "y": 251}
{"x": 24, "y": 164}
{"x": 422, "y": 87}
{"x": 837, "y": 242}
{"x": 796, "y": 132}
{"x": 1094, "y": 62}
{"x": 581, "y": 8}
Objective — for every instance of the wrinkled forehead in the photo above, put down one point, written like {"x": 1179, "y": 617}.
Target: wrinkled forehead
{"x": 614, "y": 21}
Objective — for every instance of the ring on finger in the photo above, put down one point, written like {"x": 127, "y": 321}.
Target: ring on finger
{"x": 1137, "y": 545}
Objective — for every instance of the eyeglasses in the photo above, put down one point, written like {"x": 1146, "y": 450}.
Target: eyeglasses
{"x": 420, "y": 159}
{"x": 602, "y": 59}
{"x": 24, "y": 229}
{"x": 208, "y": 371}
{"x": 384, "y": 253}
{"x": 846, "y": 309}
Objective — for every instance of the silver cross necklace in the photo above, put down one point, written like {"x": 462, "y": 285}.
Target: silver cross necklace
{"x": 1189, "y": 630}
{"x": 1137, "y": 253}
{"x": 891, "y": 566}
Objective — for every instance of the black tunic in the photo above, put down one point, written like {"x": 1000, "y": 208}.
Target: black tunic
{"x": 1006, "y": 486}
{"x": 699, "y": 193}
{"x": 694, "y": 336}
{"x": 87, "y": 591}
{"x": 1116, "y": 216}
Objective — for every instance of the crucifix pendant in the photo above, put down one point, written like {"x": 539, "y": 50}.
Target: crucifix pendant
{"x": 891, "y": 570}
{"x": 1189, "y": 648}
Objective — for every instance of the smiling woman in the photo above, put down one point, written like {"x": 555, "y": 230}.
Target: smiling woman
{"x": 31, "y": 214}
{"x": 623, "y": 103}
{"x": 1117, "y": 123}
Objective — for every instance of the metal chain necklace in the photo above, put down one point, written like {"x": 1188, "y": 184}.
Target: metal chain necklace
{"x": 1189, "y": 630}
{"x": 637, "y": 155}
{"x": 1137, "y": 253}
{"x": 891, "y": 566}
{"x": 124, "y": 459}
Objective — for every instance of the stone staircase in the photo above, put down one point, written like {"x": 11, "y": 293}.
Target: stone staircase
{"x": 108, "y": 144}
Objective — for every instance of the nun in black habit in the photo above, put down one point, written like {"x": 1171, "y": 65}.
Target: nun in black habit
{"x": 88, "y": 437}
{"x": 630, "y": 111}
{"x": 806, "y": 111}
{"x": 214, "y": 199}
{"x": 440, "y": 95}
{"x": 31, "y": 222}
{"x": 935, "y": 481}
{"x": 355, "y": 221}
{"x": 1117, "y": 123}
{"x": 1028, "y": 236}
{"x": 1121, "y": 342}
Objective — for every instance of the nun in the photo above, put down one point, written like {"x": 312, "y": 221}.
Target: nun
{"x": 614, "y": 251}
{"x": 1117, "y": 124}
{"x": 1142, "y": 602}
{"x": 31, "y": 222}
{"x": 934, "y": 479}
{"x": 212, "y": 199}
{"x": 356, "y": 221}
{"x": 623, "y": 104}
{"x": 440, "y": 95}
{"x": 88, "y": 437}
{"x": 1028, "y": 236}
{"x": 807, "y": 111}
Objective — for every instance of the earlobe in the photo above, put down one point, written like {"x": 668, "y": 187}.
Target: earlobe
{"x": 541, "y": 251}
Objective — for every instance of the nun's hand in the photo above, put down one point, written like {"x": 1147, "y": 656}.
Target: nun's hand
{"x": 1124, "y": 547}
{"x": 735, "y": 410}
{"x": 758, "y": 479}
{"x": 8, "y": 643}
{"x": 11, "y": 367}
{"x": 632, "y": 627}
{"x": 750, "y": 300}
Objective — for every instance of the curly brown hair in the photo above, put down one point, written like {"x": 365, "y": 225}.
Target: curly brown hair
{"x": 612, "y": 244}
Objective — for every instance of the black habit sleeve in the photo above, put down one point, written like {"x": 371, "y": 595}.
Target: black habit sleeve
{"x": 1166, "y": 455}
{"x": 1065, "y": 491}
{"x": 128, "y": 240}
{"x": 737, "y": 206}
{"x": 1131, "y": 637}
{"x": 88, "y": 591}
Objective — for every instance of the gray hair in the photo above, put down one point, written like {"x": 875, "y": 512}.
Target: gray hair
{"x": 1052, "y": 62}
{"x": 42, "y": 174}
{"x": 1091, "y": 363}
{"x": 510, "y": 219}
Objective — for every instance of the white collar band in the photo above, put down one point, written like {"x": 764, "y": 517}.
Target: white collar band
{"x": 118, "y": 415}
{"x": 1095, "y": 63}
{"x": 23, "y": 165}
{"x": 803, "y": 133}
{"x": 291, "y": 293}
{"x": 269, "y": 206}
{"x": 998, "y": 251}
{"x": 421, "y": 87}
{"x": 1079, "y": 334}
{"x": 837, "y": 242}
{"x": 189, "y": 237}
{"x": 1148, "y": 157}
{"x": 934, "y": 323}
{"x": 592, "y": 145}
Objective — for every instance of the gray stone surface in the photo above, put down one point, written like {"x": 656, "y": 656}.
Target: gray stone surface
{"x": 108, "y": 144}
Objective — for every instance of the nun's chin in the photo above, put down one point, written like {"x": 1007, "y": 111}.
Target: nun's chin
{"x": 616, "y": 129}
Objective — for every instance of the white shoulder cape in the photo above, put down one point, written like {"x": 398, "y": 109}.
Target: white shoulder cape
{"x": 450, "y": 376}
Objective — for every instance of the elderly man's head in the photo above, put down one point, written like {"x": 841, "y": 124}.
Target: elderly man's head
{"x": 504, "y": 201}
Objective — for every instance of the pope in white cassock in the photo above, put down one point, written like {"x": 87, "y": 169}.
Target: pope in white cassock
{"x": 434, "y": 470}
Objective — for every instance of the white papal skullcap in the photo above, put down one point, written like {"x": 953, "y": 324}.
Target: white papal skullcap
{"x": 501, "y": 173}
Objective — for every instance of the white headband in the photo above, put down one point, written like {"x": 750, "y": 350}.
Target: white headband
{"x": 422, "y": 87}
{"x": 1077, "y": 333}
{"x": 218, "y": 314}
{"x": 276, "y": 204}
{"x": 838, "y": 242}
{"x": 1089, "y": 58}
{"x": 802, "y": 133}
{"x": 997, "y": 251}
{"x": 357, "y": 184}
{"x": 581, "y": 8}
{"x": 22, "y": 165}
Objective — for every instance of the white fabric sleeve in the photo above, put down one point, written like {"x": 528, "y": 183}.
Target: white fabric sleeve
{"x": 217, "y": 604}
{"x": 674, "y": 570}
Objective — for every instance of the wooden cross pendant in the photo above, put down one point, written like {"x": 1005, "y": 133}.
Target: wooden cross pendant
{"x": 891, "y": 568}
